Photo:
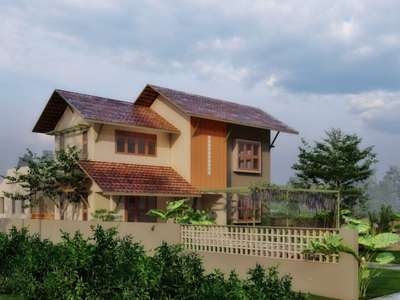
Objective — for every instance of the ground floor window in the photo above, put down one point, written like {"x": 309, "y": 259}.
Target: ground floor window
{"x": 249, "y": 210}
{"x": 136, "y": 209}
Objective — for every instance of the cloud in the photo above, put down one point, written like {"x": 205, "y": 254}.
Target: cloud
{"x": 315, "y": 46}
{"x": 377, "y": 110}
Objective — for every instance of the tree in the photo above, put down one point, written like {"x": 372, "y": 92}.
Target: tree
{"x": 385, "y": 191}
{"x": 60, "y": 180}
{"x": 337, "y": 162}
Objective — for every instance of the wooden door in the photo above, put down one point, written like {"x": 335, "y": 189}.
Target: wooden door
{"x": 136, "y": 209}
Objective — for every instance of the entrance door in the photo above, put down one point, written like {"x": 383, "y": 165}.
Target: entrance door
{"x": 136, "y": 208}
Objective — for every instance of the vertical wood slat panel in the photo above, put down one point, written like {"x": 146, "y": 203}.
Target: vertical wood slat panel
{"x": 201, "y": 129}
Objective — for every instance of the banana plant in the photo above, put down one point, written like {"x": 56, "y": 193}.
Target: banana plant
{"x": 181, "y": 213}
{"x": 371, "y": 247}
{"x": 173, "y": 210}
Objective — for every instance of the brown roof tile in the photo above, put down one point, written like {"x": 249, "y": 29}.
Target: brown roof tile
{"x": 210, "y": 108}
{"x": 138, "y": 179}
{"x": 99, "y": 109}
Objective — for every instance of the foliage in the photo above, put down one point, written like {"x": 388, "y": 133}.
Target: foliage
{"x": 382, "y": 221}
{"x": 59, "y": 180}
{"x": 106, "y": 215}
{"x": 105, "y": 266}
{"x": 181, "y": 213}
{"x": 287, "y": 206}
{"x": 337, "y": 162}
{"x": 385, "y": 191}
{"x": 371, "y": 244}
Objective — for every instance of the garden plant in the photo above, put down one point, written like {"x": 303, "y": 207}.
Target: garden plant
{"x": 106, "y": 266}
{"x": 372, "y": 246}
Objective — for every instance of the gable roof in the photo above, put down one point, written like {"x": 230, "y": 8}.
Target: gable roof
{"x": 121, "y": 178}
{"x": 101, "y": 110}
{"x": 210, "y": 108}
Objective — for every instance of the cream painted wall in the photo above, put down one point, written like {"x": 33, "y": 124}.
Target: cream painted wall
{"x": 104, "y": 148}
{"x": 70, "y": 119}
{"x": 180, "y": 144}
{"x": 5, "y": 186}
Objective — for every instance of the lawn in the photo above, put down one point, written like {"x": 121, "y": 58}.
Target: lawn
{"x": 386, "y": 284}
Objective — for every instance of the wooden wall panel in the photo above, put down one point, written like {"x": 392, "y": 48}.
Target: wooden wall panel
{"x": 201, "y": 177}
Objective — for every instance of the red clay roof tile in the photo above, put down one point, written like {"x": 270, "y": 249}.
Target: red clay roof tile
{"x": 99, "y": 109}
{"x": 210, "y": 108}
{"x": 120, "y": 178}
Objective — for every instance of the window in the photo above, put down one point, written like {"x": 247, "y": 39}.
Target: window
{"x": 62, "y": 141}
{"x": 84, "y": 154}
{"x": 13, "y": 206}
{"x": 22, "y": 206}
{"x": 249, "y": 209}
{"x": 247, "y": 155}
{"x": 135, "y": 143}
{"x": 2, "y": 205}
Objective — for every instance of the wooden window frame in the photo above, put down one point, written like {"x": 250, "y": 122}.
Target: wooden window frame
{"x": 136, "y": 135}
{"x": 236, "y": 154}
{"x": 61, "y": 141}
{"x": 85, "y": 149}
{"x": 248, "y": 210}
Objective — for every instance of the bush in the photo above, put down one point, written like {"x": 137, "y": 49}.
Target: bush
{"x": 105, "y": 266}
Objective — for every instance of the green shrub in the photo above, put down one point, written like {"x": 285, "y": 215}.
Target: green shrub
{"x": 106, "y": 266}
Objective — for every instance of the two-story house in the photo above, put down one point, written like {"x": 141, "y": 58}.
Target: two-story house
{"x": 165, "y": 145}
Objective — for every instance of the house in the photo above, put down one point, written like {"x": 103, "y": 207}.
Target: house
{"x": 165, "y": 145}
{"x": 11, "y": 208}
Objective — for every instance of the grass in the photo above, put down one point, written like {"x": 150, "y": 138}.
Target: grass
{"x": 8, "y": 297}
{"x": 385, "y": 284}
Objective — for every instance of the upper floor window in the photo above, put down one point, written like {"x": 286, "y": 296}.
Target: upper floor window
{"x": 62, "y": 141}
{"x": 135, "y": 143}
{"x": 84, "y": 152}
{"x": 247, "y": 155}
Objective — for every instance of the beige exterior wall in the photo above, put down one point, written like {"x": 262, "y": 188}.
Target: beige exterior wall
{"x": 333, "y": 280}
{"x": 179, "y": 144}
{"x": 68, "y": 120}
{"x": 104, "y": 148}
{"x": 217, "y": 203}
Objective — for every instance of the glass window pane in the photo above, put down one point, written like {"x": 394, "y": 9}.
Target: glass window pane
{"x": 141, "y": 146}
{"x": 131, "y": 145}
{"x": 120, "y": 144}
{"x": 255, "y": 164}
{"x": 255, "y": 150}
{"x": 151, "y": 147}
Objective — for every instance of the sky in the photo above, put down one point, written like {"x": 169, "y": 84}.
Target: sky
{"x": 313, "y": 64}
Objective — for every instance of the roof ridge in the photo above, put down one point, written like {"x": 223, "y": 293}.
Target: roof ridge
{"x": 101, "y": 97}
{"x": 208, "y": 97}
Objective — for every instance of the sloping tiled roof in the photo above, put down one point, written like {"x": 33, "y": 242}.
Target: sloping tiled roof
{"x": 99, "y": 109}
{"x": 120, "y": 178}
{"x": 209, "y": 108}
